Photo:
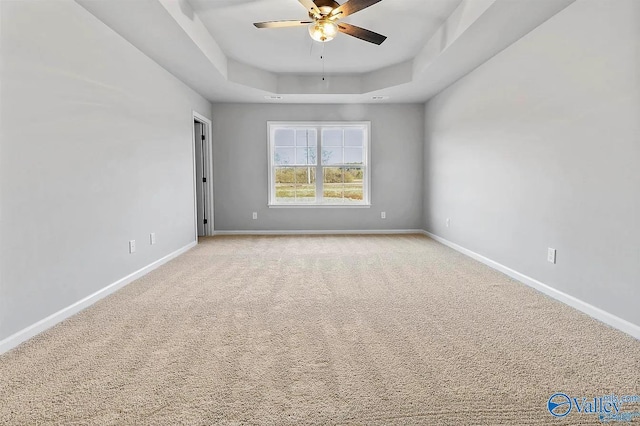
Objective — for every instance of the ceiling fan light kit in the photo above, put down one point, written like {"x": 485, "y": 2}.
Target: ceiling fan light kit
{"x": 325, "y": 15}
{"x": 323, "y": 30}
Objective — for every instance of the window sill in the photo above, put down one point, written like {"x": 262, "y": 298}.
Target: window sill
{"x": 319, "y": 206}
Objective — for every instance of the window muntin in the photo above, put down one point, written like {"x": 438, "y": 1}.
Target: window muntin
{"x": 339, "y": 178}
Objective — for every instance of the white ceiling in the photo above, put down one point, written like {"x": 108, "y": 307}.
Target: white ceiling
{"x": 408, "y": 24}
{"x": 213, "y": 47}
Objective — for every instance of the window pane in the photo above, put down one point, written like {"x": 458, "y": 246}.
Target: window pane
{"x": 306, "y": 184}
{"x": 306, "y": 155}
{"x": 332, "y": 137}
{"x": 333, "y": 184}
{"x": 284, "y": 175}
{"x": 284, "y": 156}
{"x": 306, "y": 137}
{"x": 284, "y": 137}
{"x": 354, "y": 185}
{"x": 295, "y": 185}
{"x": 354, "y": 174}
{"x": 354, "y": 137}
{"x": 353, "y": 156}
{"x": 354, "y": 191}
{"x": 332, "y": 155}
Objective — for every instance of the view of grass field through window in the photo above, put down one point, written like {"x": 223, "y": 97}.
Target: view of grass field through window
{"x": 342, "y": 165}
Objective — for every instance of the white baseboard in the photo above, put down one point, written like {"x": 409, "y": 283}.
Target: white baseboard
{"x": 53, "y": 319}
{"x": 48, "y": 322}
{"x": 328, "y": 232}
{"x": 597, "y": 313}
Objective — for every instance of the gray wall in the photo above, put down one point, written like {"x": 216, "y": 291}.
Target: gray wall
{"x": 240, "y": 167}
{"x": 95, "y": 150}
{"x": 540, "y": 147}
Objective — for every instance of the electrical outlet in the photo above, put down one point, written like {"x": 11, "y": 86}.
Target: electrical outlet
{"x": 132, "y": 246}
{"x": 152, "y": 238}
{"x": 551, "y": 255}
{"x": 383, "y": 215}
{"x": 448, "y": 222}
{"x": 255, "y": 215}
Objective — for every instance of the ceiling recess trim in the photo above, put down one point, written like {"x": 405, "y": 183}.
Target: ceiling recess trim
{"x": 465, "y": 40}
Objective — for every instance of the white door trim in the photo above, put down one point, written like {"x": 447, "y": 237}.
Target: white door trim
{"x": 208, "y": 170}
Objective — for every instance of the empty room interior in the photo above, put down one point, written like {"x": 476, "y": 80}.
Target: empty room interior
{"x": 354, "y": 212}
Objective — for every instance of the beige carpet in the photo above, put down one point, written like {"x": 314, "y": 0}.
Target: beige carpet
{"x": 372, "y": 330}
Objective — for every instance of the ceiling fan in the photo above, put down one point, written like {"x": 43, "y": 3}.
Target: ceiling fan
{"x": 324, "y": 24}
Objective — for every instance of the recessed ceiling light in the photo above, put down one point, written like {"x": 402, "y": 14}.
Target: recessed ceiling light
{"x": 273, "y": 97}
{"x": 379, "y": 98}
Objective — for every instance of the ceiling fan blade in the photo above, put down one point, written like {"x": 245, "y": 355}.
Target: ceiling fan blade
{"x": 361, "y": 33}
{"x": 281, "y": 24}
{"x": 310, "y": 6}
{"x": 351, "y": 7}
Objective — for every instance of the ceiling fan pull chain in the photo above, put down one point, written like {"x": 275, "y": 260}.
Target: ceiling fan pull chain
{"x": 322, "y": 59}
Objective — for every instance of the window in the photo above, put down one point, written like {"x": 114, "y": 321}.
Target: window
{"x": 319, "y": 163}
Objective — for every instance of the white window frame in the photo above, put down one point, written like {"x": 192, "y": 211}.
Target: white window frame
{"x": 319, "y": 125}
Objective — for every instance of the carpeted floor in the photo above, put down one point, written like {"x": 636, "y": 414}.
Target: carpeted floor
{"x": 372, "y": 330}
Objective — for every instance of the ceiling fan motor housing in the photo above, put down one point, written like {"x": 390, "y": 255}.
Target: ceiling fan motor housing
{"x": 325, "y": 6}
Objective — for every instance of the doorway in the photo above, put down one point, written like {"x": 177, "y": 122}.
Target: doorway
{"x": 203, "y": 181}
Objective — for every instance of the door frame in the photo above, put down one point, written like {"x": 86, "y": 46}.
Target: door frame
{"x": 208, "y": 170}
